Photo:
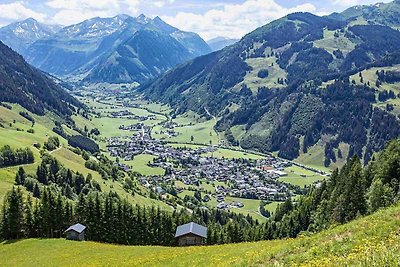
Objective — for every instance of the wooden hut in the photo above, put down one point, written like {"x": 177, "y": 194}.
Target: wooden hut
{"x": 191, "y": 234}
{"x": 76, "y": 232}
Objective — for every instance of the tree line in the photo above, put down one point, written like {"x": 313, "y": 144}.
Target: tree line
{"x": 12, "y": 157}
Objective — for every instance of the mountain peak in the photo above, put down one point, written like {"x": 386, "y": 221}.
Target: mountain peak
{"x": 143, "y": 19}
{"x": 30, "y": 20}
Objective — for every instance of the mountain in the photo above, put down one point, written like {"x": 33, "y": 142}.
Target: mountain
{"x": 21, "y": 83}
{"x": 20, "y": 35}
{"x": 150, "y": 51}
{"x": 219, "y": 43}
{"x": 91, "y": 50}
{"x": 296, "y": 85}
{"x": 144, "y": 56}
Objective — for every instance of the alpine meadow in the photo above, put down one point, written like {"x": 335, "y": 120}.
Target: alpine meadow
{"x": 196, "y": 133}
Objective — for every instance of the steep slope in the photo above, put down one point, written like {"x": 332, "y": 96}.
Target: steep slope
{"x": 20, "y": 83}
{"x": 20, "y": 35}
{"x": 220, "y": 43}
{"x": 370, "y": 241}
{"x": 269, "y": 84}
{"x": 88, "y": 48}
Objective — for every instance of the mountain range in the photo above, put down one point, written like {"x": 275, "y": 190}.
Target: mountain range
{"x": 20, "y": 35}
{"x": 303, "y": 85}
{"x": 121, "y": 49}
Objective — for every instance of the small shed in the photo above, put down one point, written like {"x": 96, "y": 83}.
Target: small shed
{"x": 76, "y": 232}
{"x": 191, "y": 234}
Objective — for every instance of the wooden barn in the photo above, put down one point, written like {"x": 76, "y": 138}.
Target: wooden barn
{"x": 76, "y": 232}
{"x": 191, "y": 234}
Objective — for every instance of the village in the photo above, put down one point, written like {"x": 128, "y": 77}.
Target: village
{"x": 240, "y": 178}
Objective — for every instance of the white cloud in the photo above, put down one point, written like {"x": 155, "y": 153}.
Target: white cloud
{"x": 233, "y": 20}
{"x": 18, "y": 11}
{"x": 349, "y": 3}
{"x": 346, "y": 3}
{"x": 74, "y": 11}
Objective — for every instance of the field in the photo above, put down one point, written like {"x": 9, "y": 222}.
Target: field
{"x": 233, "y": 154}
{"x": 370, "y": 241}
{"x": 190, "y": 125}
{"x": 301, "y": 177}
{"x": 139, "y": 164}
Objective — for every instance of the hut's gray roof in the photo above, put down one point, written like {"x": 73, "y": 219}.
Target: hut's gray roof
{"x": 77, "y": 228}
{"x": 191, "y": 228}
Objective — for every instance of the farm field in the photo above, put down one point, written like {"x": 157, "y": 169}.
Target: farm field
{"x": 233, "y": 154}
{"x": 139, "y": 164}
{"x": 370, "y": 241}
{"x": 299, "y": 176}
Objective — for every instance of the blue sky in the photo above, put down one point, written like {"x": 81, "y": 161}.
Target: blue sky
{"x": 209, "y": 18}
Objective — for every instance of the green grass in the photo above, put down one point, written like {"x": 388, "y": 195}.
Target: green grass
{"x": 370, "y": 241}
{"x": 139, "y": 164}
{"x": 203, "y": 132}
{"x": 331, "y": 43}
{"x": 299, "y": 176}
{"x": 371, "y": 77}
{"x": 314, "y": 157}
{"x": 7, "y": 178}
{"x": 21, "y": 139}
{"x": 230, "y": 154}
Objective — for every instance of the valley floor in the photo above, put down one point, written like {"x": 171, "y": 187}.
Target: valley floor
{"x": 370, "y": 241}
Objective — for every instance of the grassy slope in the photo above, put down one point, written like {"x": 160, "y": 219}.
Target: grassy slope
{"x": 370, "y": 241}
{"x": 17, "y": 139}
{"x": 274, "y": 72}
{"x": 332, "y": 43}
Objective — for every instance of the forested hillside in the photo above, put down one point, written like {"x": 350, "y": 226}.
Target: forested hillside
{"x": 296, "y": 85}
{"x": 20, "y": 83}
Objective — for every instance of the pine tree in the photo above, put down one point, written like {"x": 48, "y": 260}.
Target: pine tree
{"x": 13, "y": 215}
{"x": 20, "y": 176}
{"x": 36, "y": 191}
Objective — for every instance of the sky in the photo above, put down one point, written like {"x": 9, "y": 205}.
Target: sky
{"x": 209, "y": 18}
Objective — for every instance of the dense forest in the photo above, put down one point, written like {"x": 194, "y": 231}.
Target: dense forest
{"x": 350, "y": 192}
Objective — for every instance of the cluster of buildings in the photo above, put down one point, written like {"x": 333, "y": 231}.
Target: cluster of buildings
{"x": 253, "y": 179}
{"x": 135, "y": 127}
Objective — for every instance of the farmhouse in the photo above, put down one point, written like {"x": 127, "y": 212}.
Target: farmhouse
{"x": 76, "y": 232}
{"x": 191, "y": 234}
